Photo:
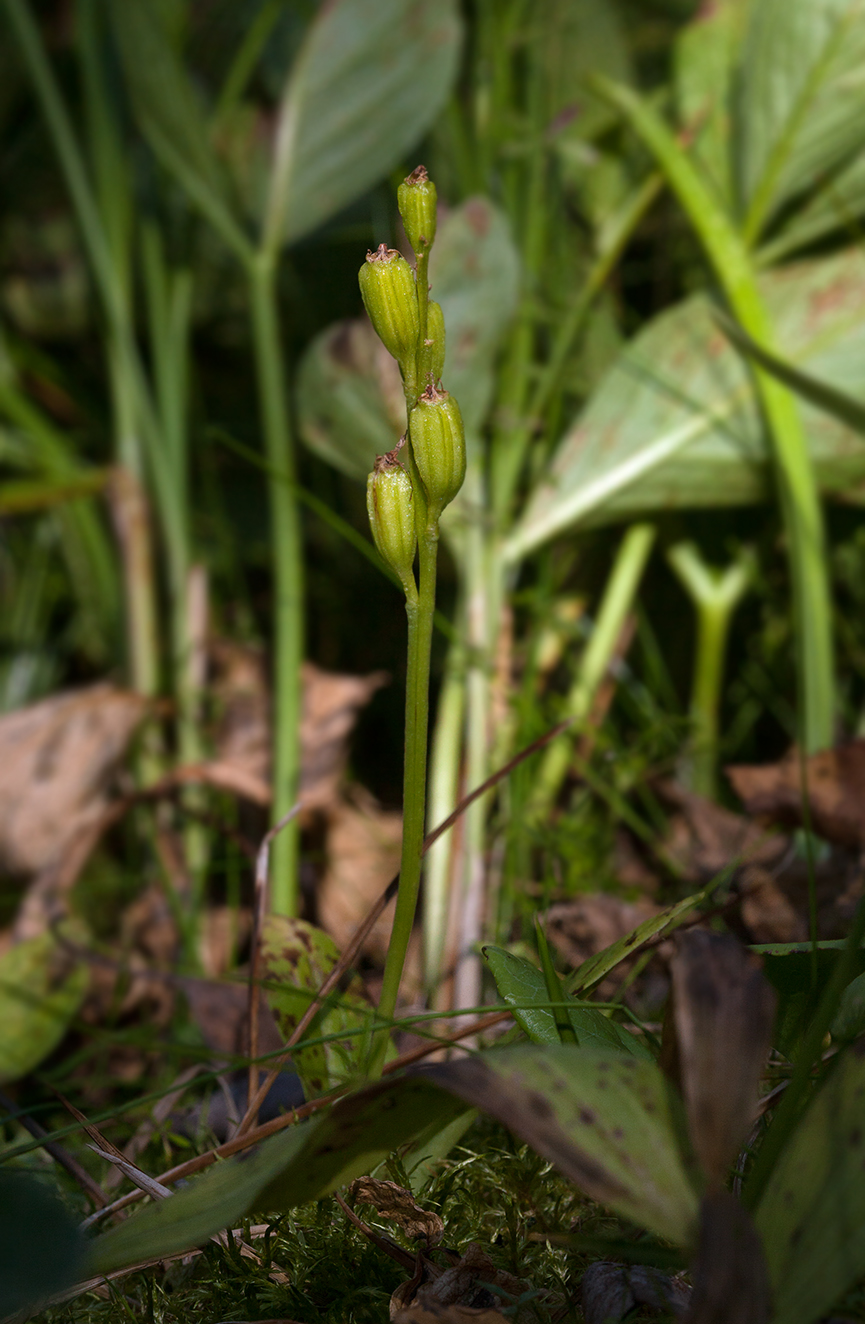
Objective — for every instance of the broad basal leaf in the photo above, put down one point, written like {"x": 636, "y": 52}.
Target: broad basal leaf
{"x": 604, "y": 1119}
{"x": 801, "y": 109}
{"x": 812, "y": 1214}
{"x": 705, "y": 55}
{"x": 296, "y": 958}
{"x": 368, "y": 81}
{"x": 522, "y": 986}
{"x": 300, "y": 1164}
{"x": 42, "y": 985}
{"x": 577, "y": 37}
{"x": 675, "y": 423}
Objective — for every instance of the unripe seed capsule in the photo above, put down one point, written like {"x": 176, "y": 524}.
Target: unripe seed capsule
{"x": 438, "y": 445}
{"x": 416, "y": 199}
{"x": 387, "y": 286}
{"x": 435, "y": 332}
{"x": 390, "y": 506}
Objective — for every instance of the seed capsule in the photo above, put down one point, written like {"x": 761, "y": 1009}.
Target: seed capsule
{"x": 435, "y": 331}
{"x": 439, "y": 447}
{"x": 390, "y": 505}
{"x": 387, "y": 286}
{"x": 416, "y": 199}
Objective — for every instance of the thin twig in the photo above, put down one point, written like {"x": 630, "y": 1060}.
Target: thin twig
{"x": 389, "y": 1247}
{"x": 262, "y": 865}
{"x": 58, "y": 1153}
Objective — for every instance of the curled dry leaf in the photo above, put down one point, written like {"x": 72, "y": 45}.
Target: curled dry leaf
{"x": 835, "y": 781}
{"x": 395, "y": 1202}
{"x": 706, "y": 837}
{"x": 609, "y": 1291}
{"x": 731, "y": 1281}
{"x": 468, "y": 1284}
{"x": 723, "y": 1013}
{"x": 57, "y": 761}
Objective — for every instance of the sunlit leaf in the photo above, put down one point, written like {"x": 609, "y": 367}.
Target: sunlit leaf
{"x": 801, "y": 106}
{"x": 675, "y": 424}
{"x": 291, "y": 1168}
{"x": 604, "y": 1119}
{"x": 296, "y": 958}
{"x": 368, "y": 81}
{"x": 522, "y": 986}
{"x": 42, "y": 985}
{"x": 812, "y": 1214}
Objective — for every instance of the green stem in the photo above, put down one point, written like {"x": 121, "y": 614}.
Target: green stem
{"x": 715, "y": 595}
{"x": 618, "y": 600}
{"x": 288, "y": 621}
{"x": 800, "y": 504}
{"x": 420, "y": 627}
{"x": 443, "y": 790}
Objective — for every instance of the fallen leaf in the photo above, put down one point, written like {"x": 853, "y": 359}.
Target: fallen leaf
{"x": 57, "y": 762}
{"x": 609, "y": 1291}
{"x": 724, "y": 1010}
{"x": 363, "y": 851}
{"x": 395, "y": 1202}
{"x": 433, "y": 1313}
{"x": 331, "y": 703}
{"x": 223, "y": 929}
{"x": 468, "y": 1283}
{"x": 590, "y": 924}
{"x": 731, "y": 1281}
{"x": 706, "y": 837}
{"x": 835, "y": 780}
{"x": 221, "y": 1011}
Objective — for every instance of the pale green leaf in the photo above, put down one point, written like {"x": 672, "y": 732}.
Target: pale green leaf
{"x": 801, "y": 109}
{"x": 368, "y": 81}
{"x": 522, "y": 986}
{"x": 606, "y": 1120}
{"x": 296, "y": 958}
{"x": 577, "y": 37}
{"x": 705, "y": 56}
{"x": 675, "y": 424}
{"x": 837, "y": 207}
{"x": 812, "y": 1214}
{"x": 301, "y": 1164}
{"x": 41, "y": 988}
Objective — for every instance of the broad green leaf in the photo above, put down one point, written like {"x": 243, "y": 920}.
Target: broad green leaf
{"x": 296, "y": 958}
{"x": 837, "y": 207}
{"x": 705, "y": 56}
{"x": 41, "y": 988}
{"x": 801, "y": 109}
{"x": 349, "y": 393}
{"x": 170, "y": 115}
{"x": 789, "y": 968}
{"x": 812, "y": 1214}
{"x": 368, "y": 81}
{"x": 522, "y": 986}
{"x": 577, "y": 37}
{"x": 597, "y": 967}
{"x": 301, "y": 1164}
{"x": 675, "y": 424}
{"x": 606, "y": 1120}
{"x": 40, "y": 1246}
{"x": 849, "y": 1020}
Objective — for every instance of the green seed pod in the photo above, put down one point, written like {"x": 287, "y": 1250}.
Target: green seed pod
{"x": 439, "y": 447}
{"x": 387, "y": 286}
{"x": 416, "y": 199}
{"x": 390, "y": 506}
{"x": 435, "y": 333}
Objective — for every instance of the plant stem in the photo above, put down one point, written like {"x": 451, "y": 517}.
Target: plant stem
{"x": 443, "y": 789}
{"x": 420, "y": 613}
{"x": 715, "y": 595}
{"x": 288, "y": 622}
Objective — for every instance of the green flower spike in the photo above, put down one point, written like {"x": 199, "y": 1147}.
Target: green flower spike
{"x": 416, "y": 199}
{"x": 387, "y": 286}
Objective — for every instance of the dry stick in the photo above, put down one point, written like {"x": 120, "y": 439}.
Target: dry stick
{"x": 201, "y": 1161}
{"x": 58, "y": 1153}
{"x": 262, "y": 864}
{"x": 372, "y": 918}
{"x": 389, "y": 1247}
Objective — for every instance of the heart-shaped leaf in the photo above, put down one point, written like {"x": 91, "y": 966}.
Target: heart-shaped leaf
{"x": 604, "y": 1119}
{"x": 675, "y": 423}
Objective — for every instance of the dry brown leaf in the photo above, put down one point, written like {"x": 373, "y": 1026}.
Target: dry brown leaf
{"x": 396, "y": 1203}
{"x": 57, "y": 761}
{"x": 221, "y": 1012}
{"x": 835, "y": 779}
{"x": 610, "y": 1290}
{"x": 433, "y": 1313}
{"x": 706, "y": 837}
{"x": 731, "y": 1283}
{"x": 363, "y": 850}
{"x": 581, "y": 928}
{"x": 723, "y": 1009}
{"x": 331, "y": 703}
{"x": 468, "y": 1283}
{"x": 242, "y": 695}
{"x": 222, "y": 931}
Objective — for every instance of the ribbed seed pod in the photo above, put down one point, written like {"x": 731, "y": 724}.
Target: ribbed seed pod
{"x": 416, "y": 199}
{"x": 439, "y": 447}
{"x": 435, "y": 331}
{"x": 390, "y": 506}
{"x": 387, "y": 286}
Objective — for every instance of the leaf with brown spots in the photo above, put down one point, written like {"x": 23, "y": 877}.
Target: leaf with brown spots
{"x": 723, "y": 1008}
{"x": 606, "y": 1120}
{"x": 812, "y": 1213}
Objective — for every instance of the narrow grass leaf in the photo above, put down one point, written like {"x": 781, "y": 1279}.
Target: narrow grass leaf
{"x": 597, "y": 967}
